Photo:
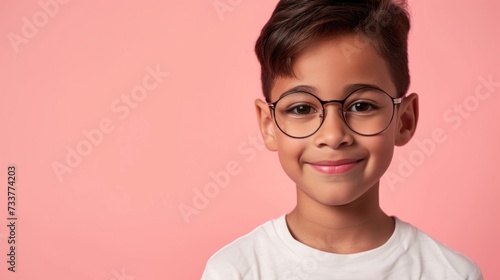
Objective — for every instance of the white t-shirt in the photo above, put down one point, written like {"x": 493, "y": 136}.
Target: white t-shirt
{"x": 270, "y": 252}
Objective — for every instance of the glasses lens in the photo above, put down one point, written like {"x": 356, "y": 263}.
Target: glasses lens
{"x": 298, "y": 114}
{"x": 368, "y": 111}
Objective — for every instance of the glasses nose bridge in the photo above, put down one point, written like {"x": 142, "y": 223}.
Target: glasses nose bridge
{"x": 340, "y": 108}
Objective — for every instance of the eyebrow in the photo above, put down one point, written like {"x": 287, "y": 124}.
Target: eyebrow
{"x": 347, "y": 89}
{"x": 301, "y": 88}
{"x": 353, "y": 87}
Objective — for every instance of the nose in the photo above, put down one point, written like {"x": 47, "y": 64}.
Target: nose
{"x": 333, "y": 132}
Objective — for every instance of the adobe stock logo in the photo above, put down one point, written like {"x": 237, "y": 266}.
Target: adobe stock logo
{"x": 367, "y": 33}
{"x": 30, "y": 27}
{"x": 223, "y": 6}
{"x": 454, "y": 118}
{"x": 121, "y": 106}
{"x": 122, "y": 275}
{"x": 220, "y": 179}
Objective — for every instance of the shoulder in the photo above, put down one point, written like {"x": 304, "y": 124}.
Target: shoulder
{"x": 436, "y": 256}
{"x": 235, "y": 259}
{"x": 248, "y": 243}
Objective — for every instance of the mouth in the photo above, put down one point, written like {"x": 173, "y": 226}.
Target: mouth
{"x": 335, "y": 167}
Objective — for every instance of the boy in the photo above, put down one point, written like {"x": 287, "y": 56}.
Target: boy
{"x": 335, "y": 76}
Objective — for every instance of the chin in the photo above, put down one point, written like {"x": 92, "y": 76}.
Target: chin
{"x": 340, "y": 196}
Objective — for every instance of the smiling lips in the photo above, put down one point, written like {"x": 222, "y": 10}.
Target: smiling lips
{"x": 335, "y": 167}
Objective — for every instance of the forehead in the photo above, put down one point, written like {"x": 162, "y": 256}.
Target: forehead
{"x": 332, "y": 65}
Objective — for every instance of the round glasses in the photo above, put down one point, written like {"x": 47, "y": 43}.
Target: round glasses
{"x": 367, "y": 111}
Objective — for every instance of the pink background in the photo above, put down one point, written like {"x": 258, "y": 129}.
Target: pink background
{"x": 117, "y": 215}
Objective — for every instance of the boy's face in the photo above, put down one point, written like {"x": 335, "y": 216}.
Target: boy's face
{"x": 336, "y": 166}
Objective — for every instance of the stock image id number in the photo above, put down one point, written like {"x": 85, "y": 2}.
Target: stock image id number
{"x": 11, "y": 217}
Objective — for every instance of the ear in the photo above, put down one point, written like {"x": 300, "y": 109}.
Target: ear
{"x": 407, "y": 119}
{"x": 266, "y": 124}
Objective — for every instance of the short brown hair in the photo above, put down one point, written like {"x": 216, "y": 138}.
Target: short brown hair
{"x": 295, "y": 24}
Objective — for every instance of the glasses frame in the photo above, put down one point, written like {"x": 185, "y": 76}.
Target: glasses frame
{"x": 395, "y": 101}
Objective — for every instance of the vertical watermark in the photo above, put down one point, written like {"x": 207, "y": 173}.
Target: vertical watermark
{"x": 12, "y": 215}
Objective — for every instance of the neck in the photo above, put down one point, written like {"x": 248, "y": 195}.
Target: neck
{"x": 351, "y": 228}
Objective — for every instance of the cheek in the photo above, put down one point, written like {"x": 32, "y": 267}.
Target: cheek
{"x": 289, "y": 147}
{"x": 289, "y": 152}
{"x": 381, "y": 150}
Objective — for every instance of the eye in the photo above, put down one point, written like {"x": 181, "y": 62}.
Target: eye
{"x": 302, "y": 109}
{"x": 361, "y": 107}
